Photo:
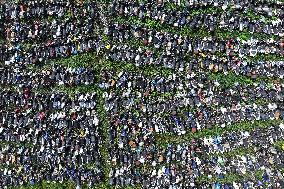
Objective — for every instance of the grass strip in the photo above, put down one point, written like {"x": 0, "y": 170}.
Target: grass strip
{"x": 103, "y": 146}
{"x": 186, "y": 31}
{"x": 47, "y": 185}
{"x": 280, "y": 145}
{"x": 230, "y": 178}
{"x": 92, "y": 61}
{"x": 166, "y": 139}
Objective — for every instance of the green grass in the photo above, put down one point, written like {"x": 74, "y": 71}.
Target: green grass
{"x": 185, "y": 31}
{"x": 166, "y": 139}
{"x": 280, "y": 145}
{"x": 104, "y": 144}
{"x": 230, "y": 178}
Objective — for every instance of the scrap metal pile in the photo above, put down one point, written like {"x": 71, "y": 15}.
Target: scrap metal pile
{"x": 173, "y": 94}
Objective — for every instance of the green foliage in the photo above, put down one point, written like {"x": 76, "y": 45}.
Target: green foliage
{"x": 252, "y": 15}
{"x": 280, "y": 145}
{"x": 230, "y": 177}
{"x": 230, "y": 79}
{"x": 48, "y": 185}
{"x": 105, "y": 143}
{"x": 186, "y": 31}
{"x": 165, "y": 139}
